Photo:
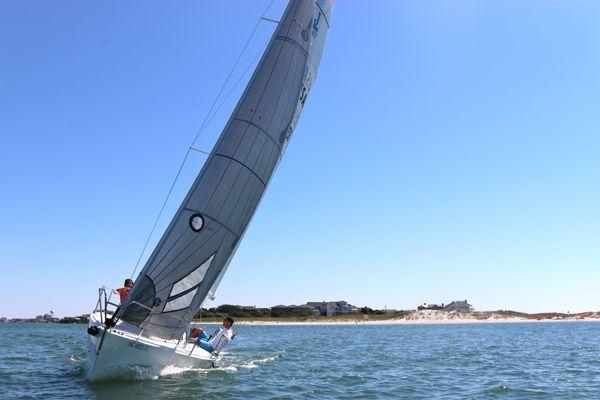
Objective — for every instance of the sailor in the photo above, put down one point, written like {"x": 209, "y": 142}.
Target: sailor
{"x": 216, "y": 343}
{"x": 124, "y": 291}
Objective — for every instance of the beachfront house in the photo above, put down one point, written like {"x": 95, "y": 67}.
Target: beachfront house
{"x": 459, "y": 306}
{"x": 456, "y": 305}
{"x": 329, "y": 308}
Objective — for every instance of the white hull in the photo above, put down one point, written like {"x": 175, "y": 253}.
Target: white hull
{"x": 122, "y": 347}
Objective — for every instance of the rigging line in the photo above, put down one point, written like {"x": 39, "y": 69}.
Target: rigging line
{"x": 237, "y": 83}
{"x": 204, "y": 124}
{"x": 270, "y": 20}
{"x": 200, "y": 130}
{"x": 191, "y": 148}
{"x": 206, "y": 153}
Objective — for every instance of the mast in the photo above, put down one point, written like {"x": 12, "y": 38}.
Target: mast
{"x": 196, "y": 248}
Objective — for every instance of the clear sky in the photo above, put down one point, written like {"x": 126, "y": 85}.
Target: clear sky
{"x": 449, "y": 150}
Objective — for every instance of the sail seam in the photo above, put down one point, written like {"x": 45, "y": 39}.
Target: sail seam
{"x": 182, "y": 261}
{"x": 289, "y": 28}
{"x": 243, "y": 165}
{"x": 238, "y": 175}
{"x": 157, "y": 280}
{"x": 214, "y": 219}
{"x": 295, "y": 43}
{"x": 260, "y": 129}
{"x": 248, "y": 181}
{"x": 287, "y": 74}
{"x": 323, "y": 12}
{"x": 158, "y": 263}
{"x": 169, "y": 251}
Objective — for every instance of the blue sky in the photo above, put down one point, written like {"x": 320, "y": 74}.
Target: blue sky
{"x": 449, "y": 150}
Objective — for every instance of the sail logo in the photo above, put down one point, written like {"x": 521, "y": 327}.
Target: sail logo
{"x": 139, "y": 346}
{"x": 287, "y": 133}
{"x": 315, "y": 27}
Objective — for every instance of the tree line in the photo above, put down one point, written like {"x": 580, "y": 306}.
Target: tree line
{"x": 229, "y": 310}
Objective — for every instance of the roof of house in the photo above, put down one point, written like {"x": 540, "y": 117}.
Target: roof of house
{"x": 457, "y": 302}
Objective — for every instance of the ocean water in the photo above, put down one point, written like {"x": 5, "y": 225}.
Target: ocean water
{"x": 470, "y": 361}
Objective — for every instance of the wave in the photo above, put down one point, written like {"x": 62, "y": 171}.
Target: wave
{"x": 229, "y": 367}
{"x": 138, "y": 372}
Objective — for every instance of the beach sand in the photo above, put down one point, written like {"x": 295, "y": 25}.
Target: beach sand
{"x": 425, "y": 317}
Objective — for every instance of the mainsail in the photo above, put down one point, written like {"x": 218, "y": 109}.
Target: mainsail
{"x": 196, "y": 248}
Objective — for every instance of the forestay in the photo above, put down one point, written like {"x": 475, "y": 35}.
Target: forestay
{"x": 193, "y": 253}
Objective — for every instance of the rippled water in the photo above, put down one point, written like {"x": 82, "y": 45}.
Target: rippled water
{"x": 512, "y": 361}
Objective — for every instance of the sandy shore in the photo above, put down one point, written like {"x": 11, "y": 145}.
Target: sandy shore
{"x": 423, "y": 317}
{"x": 418, "y": 322}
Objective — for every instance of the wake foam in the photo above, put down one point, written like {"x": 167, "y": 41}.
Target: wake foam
{"x": 173, "y": 370}
{"x": 138, "y": 372}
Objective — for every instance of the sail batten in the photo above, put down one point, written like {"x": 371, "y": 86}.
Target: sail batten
{"x": 221, "y": 202}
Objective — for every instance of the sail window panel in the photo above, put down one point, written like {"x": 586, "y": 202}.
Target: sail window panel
{"x": 206, "y": 244}
{"x": 192, "y": 279}
{"x": 180, "y": 302}
{"x": 196, "y": 222}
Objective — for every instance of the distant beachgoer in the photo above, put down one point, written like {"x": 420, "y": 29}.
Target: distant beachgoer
{"x": 124, "y": 291}
{"x": 220, "y": 340}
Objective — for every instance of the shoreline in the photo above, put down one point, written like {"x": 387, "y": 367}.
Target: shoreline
{"x": 404, "y": 321}
{"x": 417, "y": 317}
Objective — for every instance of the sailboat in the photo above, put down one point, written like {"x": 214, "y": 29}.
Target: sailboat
{"x": 189, "y": 261}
